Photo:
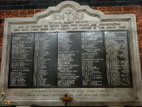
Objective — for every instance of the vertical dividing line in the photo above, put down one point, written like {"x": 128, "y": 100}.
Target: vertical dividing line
{"x": 33, "y": 64}
{"x": 129, "y": 58}
{"x": 81, "y": 78}
{"x": 105, "y": 64}
{"x": 10, "y": 52}
{"x": 17, "y": 60}
{"x": 57, "y": 60}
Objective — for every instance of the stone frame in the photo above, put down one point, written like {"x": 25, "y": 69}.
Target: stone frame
{"x": 118, "y": 96}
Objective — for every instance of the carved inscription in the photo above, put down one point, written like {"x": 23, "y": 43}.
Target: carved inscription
{"x": 70, "y": 60}
{"x": 45, "y": 59}
{"x": 69, "y": 74}
{"x": 68, "y": 16}
{"x": 93, "y": 59}
{"x": 75, "y": 24}
{"x": 117, "y": 58}
{"x": 21, "y": 60}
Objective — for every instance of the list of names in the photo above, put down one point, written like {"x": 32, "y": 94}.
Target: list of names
{"x": 97, "y": 59}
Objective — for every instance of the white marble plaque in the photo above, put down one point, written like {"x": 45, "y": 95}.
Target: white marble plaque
{"x": 115, "y": 47}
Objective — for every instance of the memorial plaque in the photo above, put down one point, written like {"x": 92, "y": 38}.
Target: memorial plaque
{"x": 70, "y": 59}
{"x": 72, "y": 49}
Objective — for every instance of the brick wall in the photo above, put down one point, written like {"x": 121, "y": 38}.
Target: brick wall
{"x": 136, "y": 9}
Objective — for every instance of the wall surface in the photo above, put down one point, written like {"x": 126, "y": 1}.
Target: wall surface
{"x": 133, "y": 9}
{"x": 40, "y": 4}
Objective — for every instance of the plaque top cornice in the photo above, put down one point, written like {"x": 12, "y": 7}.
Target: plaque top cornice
{"x": 73, "y": 5}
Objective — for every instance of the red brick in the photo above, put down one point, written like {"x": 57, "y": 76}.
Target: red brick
{"x": 141, "y": 61}
{"x": 139, "y": 19}
{"x": 140, "y": 50}
{"x": 0, "y": 66}
{"x": 8, "y": 13}
{"x": 130, "y": 12}
{"x": 139, "y": 27}
{"x": 15, "y": 13}
{"x": 103, "y": 9}
{"x": 140, "y": 8}
{"x": 140, "y": 43}
{"x": 38, "y": 10}
{"x": 130, "y": 8}
{"x": 2, "y": 14}
{"x": 139, "y": 22}
{"x": 114, "y": 9}
{"x": 1, "y": 39}
{"x": 23, "y": 13}
{"x": 139, "y": 13}
{"x": 139, "y": 32}
{"x": 141, "y": 57}
{"x": 110, "y": 9}
{"x": 30, "y": 12}
{"x": 140, "y": 37}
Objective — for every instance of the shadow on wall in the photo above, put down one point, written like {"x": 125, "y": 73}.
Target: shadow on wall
{"x": 40, "y": 4}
